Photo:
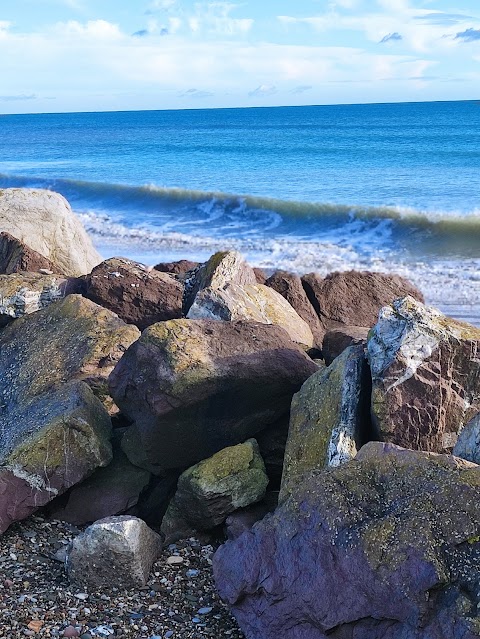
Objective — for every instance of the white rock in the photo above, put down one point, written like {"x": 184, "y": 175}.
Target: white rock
{"x": 114, "y": 552}
{"x": 45, "y": 222}
{"x": 252, "y": 302}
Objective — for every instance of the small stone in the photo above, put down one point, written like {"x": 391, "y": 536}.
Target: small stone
{"x": 83, "y": 596}
{"x": 205, "y": 611}
{"x": 71, "y": 631}
{"x": 35, "y": 625}
{"x": 174, "y": 560}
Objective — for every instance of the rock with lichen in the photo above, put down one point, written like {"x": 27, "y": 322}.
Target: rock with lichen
{"x": 329, "y": 418}
{"x": 72, "y": 339}
{"x": 44, "y": 221}
{"x": 193, "y": 387}
{"x": 48, "y": 444}
{"x": 252, "y": 302}
{"x": 54, "y": 432}
{"x": 426, "y": 376}
{"x": 385, "y": 546}
{"x": 208, "y": 492}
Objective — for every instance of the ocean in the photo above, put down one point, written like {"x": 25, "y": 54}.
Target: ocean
{"x": 385, "y": 187}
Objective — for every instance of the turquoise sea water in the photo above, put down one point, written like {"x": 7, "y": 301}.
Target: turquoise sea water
{"x": 391, "y": 187}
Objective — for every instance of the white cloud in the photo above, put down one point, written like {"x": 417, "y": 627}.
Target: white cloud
{"x": 263, "y": 90}
{"x": 97, "y": 29}
{"x": 161, "y": 5}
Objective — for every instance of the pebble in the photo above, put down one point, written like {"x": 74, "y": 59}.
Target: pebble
{"x": 173, "y": 605}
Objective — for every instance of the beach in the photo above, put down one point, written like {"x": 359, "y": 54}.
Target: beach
{"x": 390, "y": 188}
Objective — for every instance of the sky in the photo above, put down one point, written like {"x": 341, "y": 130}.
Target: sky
{"x": 102, "y": 55}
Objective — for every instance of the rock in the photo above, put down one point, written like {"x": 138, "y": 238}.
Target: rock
{"x": 338, "y": 339}
{"x": 45, "y": 222}
{"x": 17, "y": 257}
{"x": 290, "y": 287}
{"x": 24, "y": 293}
{"x": 382, "y": 547}
{"x": 426, "y": 376}
{"x": 116, "y": 552}
{"x": 177, "y": 268}
{"x": 112, "y": 490}
{"x": 226, "y": 267}
{"x": 70, "y": 339}
{"x": 329, "y": 418}
{"x": 260, "y": 275}
{"x": 252, "y": 302}
{"x": 468, "y": 443}
{"x": 48, "y": 444}
{"x": 242, "y": 520}
{"x": 354, "y": 298}
{"x": 212, "y": 489}
{"x": 193, "y": 387}
{"x": 138, "y": 296}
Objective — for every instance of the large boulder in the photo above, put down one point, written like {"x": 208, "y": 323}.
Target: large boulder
{"x": 116, "y": 552}
{"x": 45, "y": 222}
{"x": 252, "y": 302}
{"x": 24, "y": 293}
{"x": 338, "y": 339}
{"x": 136, "y": 294}
{"x": 72, "y": 339}
{"x": 225, "y": 267}
{"x": 112, "y": 490}
{"x": 329, "y": 419}
{"x": 289, "y": 285}
{"x": 426, "y": 376}
{"x": 47, "y": 445}
{"x": 17, "y": 257}
{"x": 208, "y": 492}
{"x": 383, "y": 547}
{"x": 193, "y": 387}
{"x": 354, "y": 298}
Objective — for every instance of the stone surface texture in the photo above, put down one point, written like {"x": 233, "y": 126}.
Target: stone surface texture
{"x": 354, "y": 298}
{"x": 225, "y": 267}
{"x": 426, "y": 376}
{"x": 338, "y": 339}
{"x": 70, "y": 339}
{"x": 17, "y": 257}
{"x": 47, "y": 445}
{"x": 468, "y": 443}
{"x": 24, "y": 293}
{"x": 289, "y": 285}
{"x": 208, "y": 492}
{"x": 252, "y": 302}
{"x": 116, "y": 552}
{"x": 136, "y": 294}
{"x": 111, "y": 490}
{"x": 329, "y": 418}
{"x": 44, "y": 221}
{"x": 386, "y": 546}
{"x": 193, "y": 387}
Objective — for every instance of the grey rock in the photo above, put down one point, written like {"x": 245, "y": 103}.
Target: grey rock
{"x": 468, "y": 443}
{"x": 113, "y": 552}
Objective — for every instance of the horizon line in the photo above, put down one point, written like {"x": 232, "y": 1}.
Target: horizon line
{"x": 278, "y": 106}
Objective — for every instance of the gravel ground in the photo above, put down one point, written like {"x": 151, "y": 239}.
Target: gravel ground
{"x": 36, "y": 599}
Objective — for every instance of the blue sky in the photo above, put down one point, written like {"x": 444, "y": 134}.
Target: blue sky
{"x": 89, "y": 55}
